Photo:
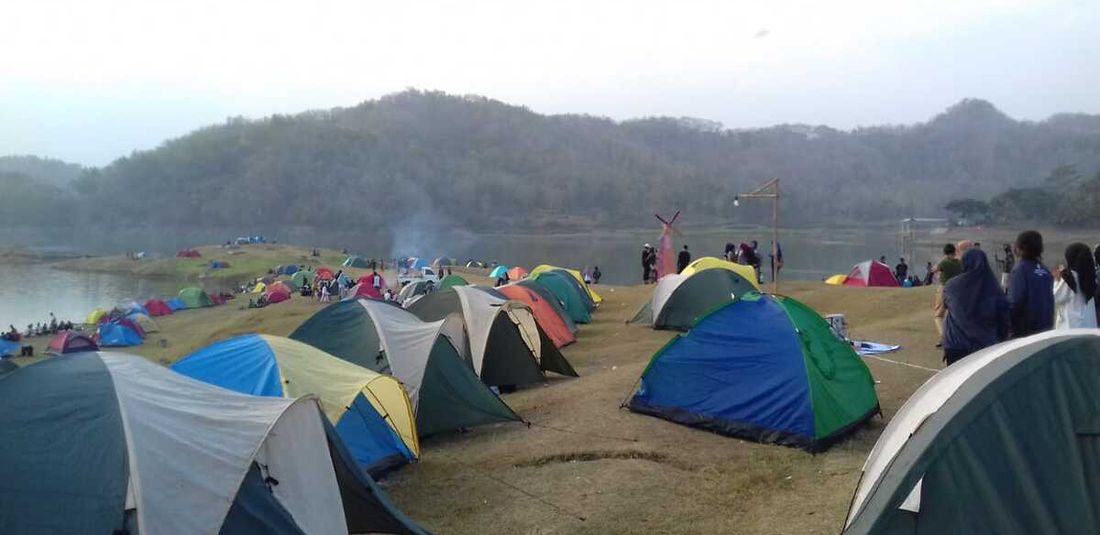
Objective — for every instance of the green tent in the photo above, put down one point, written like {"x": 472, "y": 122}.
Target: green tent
{"x": 356, "y": 262}
{"x": 452, "y": 280}
{"x": 565, "y": 289}
{"x": 301, "y": 278}
{"x": 195, "y": 297}
{"x": 1005, "y": 441}
{"x": 764, "y": 368}
{"x": 504, "y": 343}
{"x": 445, "y": 393}
{"x": 679, "y": 300}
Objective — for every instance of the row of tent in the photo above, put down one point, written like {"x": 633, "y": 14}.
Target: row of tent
{"x": 128, "y": 324}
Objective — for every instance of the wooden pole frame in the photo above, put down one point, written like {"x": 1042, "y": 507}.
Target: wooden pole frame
{"x": 769, "y": 190}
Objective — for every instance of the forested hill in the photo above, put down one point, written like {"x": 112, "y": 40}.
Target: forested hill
{"x": 480, "y": 163}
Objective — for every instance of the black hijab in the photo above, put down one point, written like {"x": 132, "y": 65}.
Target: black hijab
{"x": 1079, "y": 259}
{"x": 975, "y": 299}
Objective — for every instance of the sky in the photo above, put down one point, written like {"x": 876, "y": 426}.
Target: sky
{"x": 89, "y": 81}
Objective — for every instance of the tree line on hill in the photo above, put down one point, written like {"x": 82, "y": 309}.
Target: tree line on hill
{"x": 481, "y": 164}
{"x": 1065, "y": 197}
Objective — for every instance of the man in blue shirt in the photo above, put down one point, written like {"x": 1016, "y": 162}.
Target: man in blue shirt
{"x": 1031, "y": 288}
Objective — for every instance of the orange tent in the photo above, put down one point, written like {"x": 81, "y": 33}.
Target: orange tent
{"x": 517, "y": 273}
{"x": 544, "y": 313}
{"x": 325, "y": 274}
{"x": 279, "y": 286}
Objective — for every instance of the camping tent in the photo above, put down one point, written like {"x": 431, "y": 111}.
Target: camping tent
{"x": 678, "y": 300}
{"x": 498, "y": 272}
{"x": 194, "y": 297}
{"x": 371, "y": 411}
{"x": 277, "y": 296}
{"x": 565, "y": 290}
{"x": 547, "y": 316}
{"x": 585, "y": 289}
{"x": 218, "y": 264}
{"x": 161, "y": 453}
{"x": 7, "y": 348}
{"x": 302, "y": 278}
{"x": 709, "y": 262}
{"x": 871, "y": 273}
{"x": 6, "y": 365}
{"x": 131, "y": 307}
{"x": 517, "y": 273}
{"x": 324, "y": 274}
{"x": 836, "y": 280}
{"x": 156, "y": 307}
{"x": 552, "y": 299}
{"x": 176, "y": 304}
{"x": 504, "y": 343}
{"x": 188, "y": 253}
{"x": 356, "y": 262}
{"x": 764, "y": 368}
{"x": 145, "y": 322}
{"x": 417, "y": 263}
{"x": 279, "y": 286}
{"x": 95, "y": 315}
{"x": 70, "y": 342}
{"x": 414, "y": 290}
{"x": 259, "y": 288}
{"x": 1004, "y": 441}
{"x": 216, "y": 299}
{"x": 114, "y": 334}
{"x": 452, "y": 280}
{"x": 445, "y": 393}
{"x": 365, "y": 286}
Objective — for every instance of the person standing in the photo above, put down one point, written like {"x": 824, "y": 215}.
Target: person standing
{"x": 901, "y": 271}
{"x": 1006, "y": 264}
{"x": 596, "y": 274}
{"x": 1075, "y": 290}
{"x": 1030, "y": 288}
{"x": 683, "y": 260}
{"x": 977, "y": 311}
{"x": 946, "y": 269}
{"x": 645, "y": 263}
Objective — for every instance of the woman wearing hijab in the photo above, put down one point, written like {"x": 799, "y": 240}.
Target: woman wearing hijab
{"x": 1075, "y": 290}
{"x": 977, "y": 312}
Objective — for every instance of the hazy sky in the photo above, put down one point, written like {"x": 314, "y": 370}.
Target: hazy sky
{"x": 89, "y": 80}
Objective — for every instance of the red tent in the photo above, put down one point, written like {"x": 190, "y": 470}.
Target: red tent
{"x": 518, "y": 273}
{"x": 277, "y": 296}
{"x": 279, "y": 286}
{"x": 156, "y": 307}
{"x": 188, "y": 253}
{"x": 544, "y": 313}
{"x": 871, "y": 273}
{"x": 364, "y": 289}
{"x": 325, "y": 274}
{"x": 70, "y": 342}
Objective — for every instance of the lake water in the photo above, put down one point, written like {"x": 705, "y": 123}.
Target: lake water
{"x": 35, "y": 291}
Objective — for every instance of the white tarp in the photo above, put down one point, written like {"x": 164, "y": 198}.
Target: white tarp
{"x": 927, "y": 400}
{"x": 524, "y": 320}
{"x": 407, "y": 342}
{"x": 190, "y": 445}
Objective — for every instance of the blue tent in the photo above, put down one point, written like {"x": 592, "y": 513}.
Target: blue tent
{"x": 290, "y": 269}
{"x": 418, "y": 263}
{"x": 115, "y": 335}
{"x": 379, "y": 438}
{"x": 8, "y": 348}
{"x": 498, "y": 272}
{"x": 176, "y": 304}
{"x": 766, "y": 368}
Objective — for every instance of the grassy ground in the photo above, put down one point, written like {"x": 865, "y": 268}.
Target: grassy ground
{"x": 586, "y": 466}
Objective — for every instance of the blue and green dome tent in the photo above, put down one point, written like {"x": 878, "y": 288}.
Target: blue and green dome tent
{"x": 567, "y": 294}
{"x": 498, "y": 272}
{"x": 764, "y": 368}
{"x": 371, "y": 411}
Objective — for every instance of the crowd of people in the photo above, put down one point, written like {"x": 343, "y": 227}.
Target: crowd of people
{"x": 45, "y": 328}
{"x": 974, "y": 310}
{"x": 746, "y": 253}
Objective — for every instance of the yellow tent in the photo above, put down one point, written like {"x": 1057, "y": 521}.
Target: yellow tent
{"x": 305, "y": 369}
{"x": 259, "y": 288}
{"x": 93, "y": 317}
{"x": 710, "y": 262}
{"x": 837, "y": 280}
{"x": 576, "y": 275}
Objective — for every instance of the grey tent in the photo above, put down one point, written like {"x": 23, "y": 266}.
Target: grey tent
{"x": 150, "y": 451}
{"x": 445, "y": 393}
{"x": 678, "y": 300}
{"x": 1004, "y": 441}
{"x": 504, "y": 344}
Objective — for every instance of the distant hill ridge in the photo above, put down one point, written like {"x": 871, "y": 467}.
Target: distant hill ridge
{"x": 480, "y": 163}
